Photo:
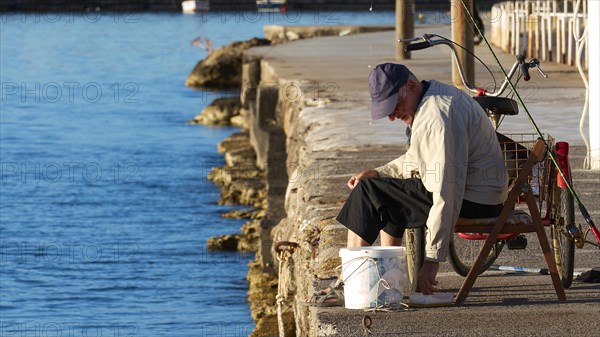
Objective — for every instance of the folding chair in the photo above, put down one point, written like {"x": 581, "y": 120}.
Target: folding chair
{"x": 520, "y": 187}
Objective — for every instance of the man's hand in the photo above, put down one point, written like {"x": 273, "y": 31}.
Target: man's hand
{"x": 427, "y": 274}
{"x": 357, "y": 177}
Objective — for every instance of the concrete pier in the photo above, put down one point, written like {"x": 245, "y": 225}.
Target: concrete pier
{"x": 311, "y": 129}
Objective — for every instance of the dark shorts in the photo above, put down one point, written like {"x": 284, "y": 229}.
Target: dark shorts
{"x": 392, "y": 205}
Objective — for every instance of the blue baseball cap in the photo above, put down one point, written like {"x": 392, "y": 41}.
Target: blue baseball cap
{"x": 385, "y": 81}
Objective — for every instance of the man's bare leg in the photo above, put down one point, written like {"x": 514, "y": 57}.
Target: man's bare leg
{"x": 388, "y": 240}
{"x": 355, "y": 241}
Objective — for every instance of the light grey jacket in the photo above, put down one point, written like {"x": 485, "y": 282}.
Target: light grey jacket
{"x": 455, "y": 150}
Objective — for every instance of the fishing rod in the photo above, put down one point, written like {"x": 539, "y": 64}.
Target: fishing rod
{"x": 541, "y": 271}
{"x": 584, "y": 212}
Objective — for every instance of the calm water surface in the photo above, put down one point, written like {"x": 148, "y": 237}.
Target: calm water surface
{"x": 104, "y": 204}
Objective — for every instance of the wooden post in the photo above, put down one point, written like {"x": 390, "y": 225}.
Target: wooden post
{"x": 405, "y": 26}
{"x": 462, "y": 33}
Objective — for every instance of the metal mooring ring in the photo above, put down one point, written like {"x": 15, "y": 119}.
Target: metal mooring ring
{"x": 367, "y": 322}
{"x": 279, "y": 246}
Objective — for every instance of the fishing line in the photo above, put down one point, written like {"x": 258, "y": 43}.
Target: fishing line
{"x": 584, "y": 212}
{"x": 472, "y": 54}
{"x": 370, "y": 44}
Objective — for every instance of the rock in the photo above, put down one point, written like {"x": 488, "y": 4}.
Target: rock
{"x": 250, "y": 236}
{"x": 219, "y": 112}
{"x": 222, "y": 68}
{"x": 241, "y": 181}
{"x": 292, "y": 36}
{"x": 250, "y": 192}
{"x": 241, "y": 214}
{"x": 263, "y": 305}
{"x": 246, "y": 241}
{"x": 227, "y": 242}
{"x": 236, "y": 140}
{"x": 226, "y": 176}
{"x": 241, "y": 157}
{"x": 239, "y": 121}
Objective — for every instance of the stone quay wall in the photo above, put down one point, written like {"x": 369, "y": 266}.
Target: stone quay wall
{"x": 305, "y": 182}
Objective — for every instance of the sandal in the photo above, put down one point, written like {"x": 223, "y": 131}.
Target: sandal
{"x": 333, "y": 296}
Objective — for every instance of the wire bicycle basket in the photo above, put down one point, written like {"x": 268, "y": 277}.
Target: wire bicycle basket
{"x": 516, "y": 148}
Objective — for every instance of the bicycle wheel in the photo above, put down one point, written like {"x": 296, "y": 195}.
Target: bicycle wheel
{"x": 463, "y": 254}
{"x": 415, "y": 255}
{"x": 563, "y": 215}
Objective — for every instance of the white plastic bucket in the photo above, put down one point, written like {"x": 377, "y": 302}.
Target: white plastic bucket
{"x": 361, "y": 271}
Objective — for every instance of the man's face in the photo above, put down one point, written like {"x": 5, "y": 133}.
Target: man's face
{"x": 407, "y": 103}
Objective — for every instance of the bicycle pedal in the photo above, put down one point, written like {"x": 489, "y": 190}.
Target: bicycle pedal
{"x": 574, "y": 233}
{"x": 518, "y": 242}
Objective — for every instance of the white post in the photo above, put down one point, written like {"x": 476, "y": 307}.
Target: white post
{"x": 544, "y": 19}
{"x": 594, "y": 84}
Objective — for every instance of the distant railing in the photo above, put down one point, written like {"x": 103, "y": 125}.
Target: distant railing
{"x": 547, "y": 30}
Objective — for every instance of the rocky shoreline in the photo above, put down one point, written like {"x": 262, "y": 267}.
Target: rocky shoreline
{"x": 222, "y": 112}
{"x": 255, "y": 173}
{"x": 240, "y": 180}
{"x": 242, "y": 183}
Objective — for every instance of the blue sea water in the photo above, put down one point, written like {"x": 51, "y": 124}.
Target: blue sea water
{"x": 105, "y": 208}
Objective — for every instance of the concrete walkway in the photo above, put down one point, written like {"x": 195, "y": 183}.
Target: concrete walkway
{"x": 339, "y": 137}
{"x": 340, "y": 66}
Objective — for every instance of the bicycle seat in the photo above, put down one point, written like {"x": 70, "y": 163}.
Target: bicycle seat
{"x": 498, "y": 105}
{"x": 517, "y": 222}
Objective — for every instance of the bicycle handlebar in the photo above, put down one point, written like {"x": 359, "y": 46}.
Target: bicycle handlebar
{"x": 525, "y": 71}
{"x": 417, "y": 46}
{"x": 523, "y": 67}
{"x": 427, "y": 41}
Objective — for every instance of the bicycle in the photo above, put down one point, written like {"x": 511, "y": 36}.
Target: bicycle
{"x": 553, "y": 195}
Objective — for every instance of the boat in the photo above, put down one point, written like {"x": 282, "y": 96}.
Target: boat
{"x": 193, "y": 6}
{"x": 271, "y": 6}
